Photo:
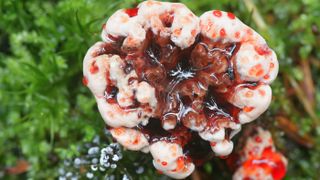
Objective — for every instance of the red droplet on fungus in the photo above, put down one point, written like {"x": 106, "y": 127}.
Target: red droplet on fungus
{"x": 85, "y": 81}
{"x": 237, "y": 35}
{"x": 132, "y": 11}
{"x": 279, "y": 170}
{"x": 180, "y": 163}
{"x": 222, "y": 32}
{"x": 266, "y": 76}
{"x": 271, "y": 65}
{"x": 104, "y": 26}
{"x": 262, "y": 50}
{"x": 213, "y": 143}
{"x": 217, "y": 13}
{"x": 258, "y": 139}
{"x": 94, "y": 68}
{"x": 136, "y": 141}
{"x": 231, "y": 16}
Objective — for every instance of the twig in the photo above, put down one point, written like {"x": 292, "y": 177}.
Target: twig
{"x": 302, "y": 97}
{"x": 307, "y": 83}
{"x": 256, "y": 16}
{"x": 20, "y": 167}
{"x": 195, "y": 175}
{"x": 315, "y": 62}
{"x": 292, "y": 132}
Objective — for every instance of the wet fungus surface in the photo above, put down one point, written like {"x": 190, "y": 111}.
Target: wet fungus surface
{"x": 177, "y": 85}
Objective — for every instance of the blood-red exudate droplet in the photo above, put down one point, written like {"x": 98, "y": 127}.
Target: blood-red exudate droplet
{"x": 132, "y": 11}
{"x": 231, "y": 16}
{"x": 217, "y": 13}
{"x": 85, "y": 81}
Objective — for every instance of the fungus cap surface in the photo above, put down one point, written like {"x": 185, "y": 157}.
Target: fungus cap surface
{"x": 166, "y": 79}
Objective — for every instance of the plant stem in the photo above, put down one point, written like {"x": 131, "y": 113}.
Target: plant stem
{"x": 256, "y": 16}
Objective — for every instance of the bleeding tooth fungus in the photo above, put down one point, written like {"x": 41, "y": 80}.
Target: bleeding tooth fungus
{"x": 177, "y": 85}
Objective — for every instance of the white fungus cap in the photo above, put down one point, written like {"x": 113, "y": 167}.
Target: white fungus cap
{"x": 219, "y": 25}
{"x": 222, "y": 148}
{"x": 111, "y": 67}
{"x": 253, "y": 151}
{"x": 121, "y": 25}
{"x": 182, "y": 32}
{"x": 253, "y": 62}
{"x": 250, "y": 65}
{"x": 253, "y": 102}
{"x": 217, "y": 133}
{"x": 130, "y": 138}
{"x": 169, "y": 158}
{"x": 96, "y": 81}
{"x": 211, "y": 134}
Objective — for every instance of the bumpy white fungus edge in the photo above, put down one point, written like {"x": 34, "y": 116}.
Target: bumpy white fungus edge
{"x": 252, "y": 102}
{"x": 111, "y": 66}
{"x": 184, "y": 28}
{"x": 130, "y": 138}
{"x": 255, "y": 62}
{"x": 169, "y": 158}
